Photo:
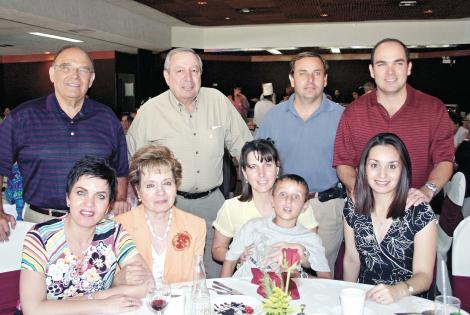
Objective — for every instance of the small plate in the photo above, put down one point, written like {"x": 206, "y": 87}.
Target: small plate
{"x": 337, "y": 311}
{"x": 244, "y": 303}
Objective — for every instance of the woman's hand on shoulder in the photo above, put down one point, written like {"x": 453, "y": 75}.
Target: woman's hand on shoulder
{"x": 384, "y": 294}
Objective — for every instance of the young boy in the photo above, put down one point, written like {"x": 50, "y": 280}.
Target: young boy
{"x": 290, "y": 192}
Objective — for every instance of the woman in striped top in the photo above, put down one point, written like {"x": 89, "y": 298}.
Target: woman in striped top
{"x": 68, "y": 263}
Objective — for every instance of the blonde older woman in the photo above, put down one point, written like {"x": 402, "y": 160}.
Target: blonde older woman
{"x": 167, "y": 238}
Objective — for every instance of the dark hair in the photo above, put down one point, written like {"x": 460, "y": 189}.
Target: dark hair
{"x": 93, "y": 166}
{"x": 265, "y": 152}
{"x": 74, "y": 47}
{"x": 456, "y": 118}
{"x": 232, "y": 91}
{"x": 363, "y": 193}
{"x": 390, "y": 40}
{"x": 307, "y": 54}
{"x": 295, "y": 178}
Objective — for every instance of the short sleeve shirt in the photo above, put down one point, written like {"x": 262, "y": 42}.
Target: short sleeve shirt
{"x": 391, "y": 260}
{"x": 262, "y": 232}
{"x": 235, "y": 213}
{"x": 45, "y": 250}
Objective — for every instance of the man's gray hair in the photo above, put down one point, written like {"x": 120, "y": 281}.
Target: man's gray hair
{"x": 174, "y": 51}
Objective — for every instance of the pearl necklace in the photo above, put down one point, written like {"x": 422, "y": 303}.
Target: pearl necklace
{"x": 152, "y": 231}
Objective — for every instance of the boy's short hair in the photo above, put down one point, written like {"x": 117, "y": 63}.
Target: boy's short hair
{"x": 295, "y": 178}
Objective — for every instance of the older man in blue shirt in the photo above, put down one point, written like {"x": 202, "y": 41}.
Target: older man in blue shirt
{"x": 303, "y": 129}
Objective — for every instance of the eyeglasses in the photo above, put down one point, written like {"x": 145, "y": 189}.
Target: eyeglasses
{"x": 67, "y": 68}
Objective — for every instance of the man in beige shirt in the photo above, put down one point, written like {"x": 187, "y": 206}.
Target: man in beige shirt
{"x": 195, "y": 123}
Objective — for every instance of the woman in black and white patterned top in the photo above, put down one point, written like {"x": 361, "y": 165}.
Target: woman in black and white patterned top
{"x": 387, "y": 244}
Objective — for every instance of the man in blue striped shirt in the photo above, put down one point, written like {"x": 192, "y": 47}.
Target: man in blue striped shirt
{"x": 47, "y": 135}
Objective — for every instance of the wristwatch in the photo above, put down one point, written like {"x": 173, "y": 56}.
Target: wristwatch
{"x": 432, "y": 187}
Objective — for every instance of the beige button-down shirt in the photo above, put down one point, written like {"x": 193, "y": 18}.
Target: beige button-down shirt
{"x": 197, "y": 139}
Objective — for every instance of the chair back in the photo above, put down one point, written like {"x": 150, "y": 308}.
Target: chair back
{"x": 10, "y": 255}
{"x": 461, "y": 263}
{"x": 455, "y": 188}
{"x": 10, "y": 251}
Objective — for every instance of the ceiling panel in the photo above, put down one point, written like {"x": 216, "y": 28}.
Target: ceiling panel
{"x": 304, "y": 11}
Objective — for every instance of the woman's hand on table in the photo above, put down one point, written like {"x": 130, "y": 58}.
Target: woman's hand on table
{"x": 119, "y": 303}
{"x": 384, "y": 294}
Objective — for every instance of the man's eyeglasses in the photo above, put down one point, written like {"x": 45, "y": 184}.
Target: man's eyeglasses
{"x": 68, "y": 68}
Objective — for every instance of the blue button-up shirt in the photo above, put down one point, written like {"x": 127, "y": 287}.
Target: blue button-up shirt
{"x": 305, "y": 147}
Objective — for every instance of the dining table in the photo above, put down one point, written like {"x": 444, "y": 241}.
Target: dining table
{"x": 319, "y": 296}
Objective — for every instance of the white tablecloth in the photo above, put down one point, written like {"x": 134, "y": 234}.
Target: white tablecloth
{"x": 321, "y": 297}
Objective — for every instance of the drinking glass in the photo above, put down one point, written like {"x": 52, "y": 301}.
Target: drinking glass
{"x": 446, "y": 305}
{"x": 158, "y": 298}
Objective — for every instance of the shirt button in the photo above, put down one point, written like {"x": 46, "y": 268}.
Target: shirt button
{"x": 196, "y": 188}
{"x": 197, "y": 172}
{"x": 72, "y": 133}
{"x": 197, "y": 152}
{"x": 194, "y": 134}
{"x": 190, "y": 116}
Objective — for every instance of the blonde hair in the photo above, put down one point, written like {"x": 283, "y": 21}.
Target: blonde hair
{"x": 152, "y": 157}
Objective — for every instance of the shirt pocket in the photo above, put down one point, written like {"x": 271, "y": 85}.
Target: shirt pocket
{"x": 213, "y": 139}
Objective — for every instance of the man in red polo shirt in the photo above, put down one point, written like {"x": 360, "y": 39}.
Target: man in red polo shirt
{"x": 420, "y": 120}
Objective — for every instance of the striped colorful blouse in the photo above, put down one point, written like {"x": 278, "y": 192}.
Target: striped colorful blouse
{"x": 46, "y": 250}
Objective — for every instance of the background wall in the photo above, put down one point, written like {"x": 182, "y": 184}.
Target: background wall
{"x": 24, "y": 81}
{"x": 449, "y": 83}
{"x": 29, "y": 80}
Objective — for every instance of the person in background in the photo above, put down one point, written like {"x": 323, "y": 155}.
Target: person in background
{"x": 288, "y": 92}
{"x": 47, "y": 135}
{"x": 239, "y": 101}
{"x": 338, "y": 97}
{"x": 355, "y": 95}
{"x": 388, "y": 244}
{"x": 264, "y": 105}
{"x": 168, "y": 238}
{"x": 460, "y": 132}
{"x": 420, "y": 120}
{"x": 259, "y": 165}
{"x": 303, "y": 130}
{"x": 68, "y": 263}
{"x": 126, "y": 121}
{"x": 14, "y": 191}
{"x": 290, "y": 196}
{"x": 6, "y": 112}
{"x": 195, "y": 124}
{"x": 368, "y": 87}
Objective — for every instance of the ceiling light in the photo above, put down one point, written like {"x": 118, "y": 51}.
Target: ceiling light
{"x": 407, "y": 3}
{"x": 47, "y": 52}
{"x": 335, "y": 50}
{"x": 428, "y": 11}
{"x": 246, "y": 10}
{"x": 324, "y": 14}
{"x": 274, "y": 51}
{"x": 287, "y": 48}
{"x": 202, "y": 2}
{"x": 360, "y": 47}
{"x": 56, "y": 37}
{"x": 228, "y": 18}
